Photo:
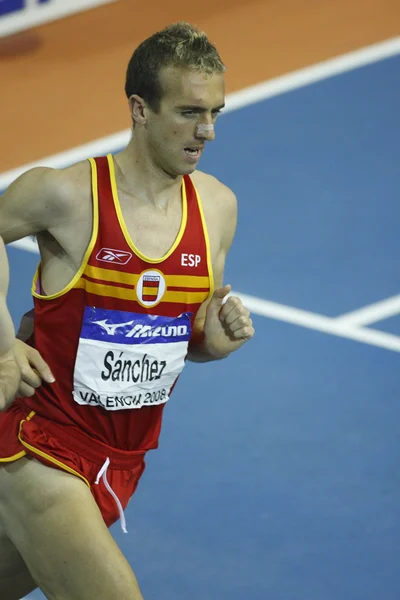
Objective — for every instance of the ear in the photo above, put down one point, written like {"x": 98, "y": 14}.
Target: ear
{"x": 138, "y": 109}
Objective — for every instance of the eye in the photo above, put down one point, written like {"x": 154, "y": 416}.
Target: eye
{"x": 215, "y": 113}
{"x": 188, "y": 113}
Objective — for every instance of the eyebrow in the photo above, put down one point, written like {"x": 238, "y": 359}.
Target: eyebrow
{"x": 199, "y": 109}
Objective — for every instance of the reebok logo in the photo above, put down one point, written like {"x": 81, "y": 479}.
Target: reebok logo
{"x": 111, "y": 255}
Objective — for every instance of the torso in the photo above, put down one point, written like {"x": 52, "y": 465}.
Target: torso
{"x": 115, "y": 332}
{"x": 152, "y": 231}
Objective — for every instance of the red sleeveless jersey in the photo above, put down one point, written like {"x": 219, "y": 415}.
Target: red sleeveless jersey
{"x": 116, "y": 337}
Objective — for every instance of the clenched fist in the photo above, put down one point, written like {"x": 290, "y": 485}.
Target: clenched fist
{"x": 227, "y": 325}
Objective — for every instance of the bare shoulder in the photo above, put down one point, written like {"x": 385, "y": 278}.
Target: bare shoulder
{"x": 42, "y": 198}
{"x": 55, "y": 186}
{"x": 219, "y": 203}
{"x": 214, "y": 191}
{"x": 73, "y": 184}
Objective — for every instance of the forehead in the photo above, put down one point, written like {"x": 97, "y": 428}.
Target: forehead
{"x": 187, "y": 87}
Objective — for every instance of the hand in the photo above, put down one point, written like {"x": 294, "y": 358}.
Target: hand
{"x": 9, "y": 379}
{"x": 33, "y": 368}
{"x": 227, "y": 326}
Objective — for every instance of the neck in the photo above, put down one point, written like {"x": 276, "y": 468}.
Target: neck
{"x": 138, "y": 175}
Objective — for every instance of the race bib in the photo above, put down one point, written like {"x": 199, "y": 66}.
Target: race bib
{"x": 128, "y": 360}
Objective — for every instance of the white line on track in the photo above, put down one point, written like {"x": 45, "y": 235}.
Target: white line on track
{"x": 372, "y": 313}
{"x": 317, "y": 322}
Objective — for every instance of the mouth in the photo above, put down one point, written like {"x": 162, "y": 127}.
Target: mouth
{"x": 193, "y": 152}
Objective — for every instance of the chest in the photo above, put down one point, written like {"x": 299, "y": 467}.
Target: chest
{"x": 151, "y": 231}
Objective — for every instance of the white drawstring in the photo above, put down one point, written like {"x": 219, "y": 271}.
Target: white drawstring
{"x": 102, "y": 474}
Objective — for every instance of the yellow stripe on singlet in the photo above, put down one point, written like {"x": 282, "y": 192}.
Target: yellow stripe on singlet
{"x": 114, "y": 291}
{"x": 185, "y": 297}
{"x": 176, "y": 281}
{"x": 111, "y": 275}
{"x": 187, "y": 281}
{"x": 111, "y": 291}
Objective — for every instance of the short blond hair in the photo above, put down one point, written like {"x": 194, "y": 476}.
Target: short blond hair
{"x": 180, "y": 44}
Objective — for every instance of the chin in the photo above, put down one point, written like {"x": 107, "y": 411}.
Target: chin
{"x": 188, "y": 169}
{"x": 182, "y": 169}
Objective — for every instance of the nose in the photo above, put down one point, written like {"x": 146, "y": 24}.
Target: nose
{"x": 205, "y": 131}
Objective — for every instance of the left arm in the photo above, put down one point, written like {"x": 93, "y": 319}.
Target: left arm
{"x": 221, "y": 327}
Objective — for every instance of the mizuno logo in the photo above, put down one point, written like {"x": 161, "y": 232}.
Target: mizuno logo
{"x": 111, "y": 328}
{"x": 111, "y": 255}
{"x": 143, "y": 331}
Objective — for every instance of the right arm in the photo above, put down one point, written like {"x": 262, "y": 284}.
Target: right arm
{"x": 35, "y": 202}
{"x": 32, "y": 204}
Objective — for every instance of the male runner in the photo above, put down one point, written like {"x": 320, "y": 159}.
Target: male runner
{"x": 129, "y": 286}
